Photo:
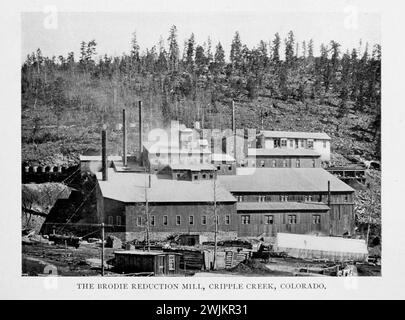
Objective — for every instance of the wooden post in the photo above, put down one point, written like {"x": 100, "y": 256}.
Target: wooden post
{"x": 330, "y": 223}
{"x": 216, "y": 225}
{"x": 102, "y": 249}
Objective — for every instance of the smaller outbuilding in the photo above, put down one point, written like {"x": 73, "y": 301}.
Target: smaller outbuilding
{"x": 156, "y": 262}
{"x": 314, "y": 247}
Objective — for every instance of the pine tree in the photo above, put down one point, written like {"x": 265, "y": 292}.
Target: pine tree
{"x": 236, "y": 53}
{"x": 173, "y": 50}
{"x": 219, "y": 59}
{"x": 289, "y": 49}
{"x": 189, "y": 59}
{"x": 276, "y": 48}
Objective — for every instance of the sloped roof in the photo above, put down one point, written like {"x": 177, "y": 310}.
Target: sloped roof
{"x": 281, "y": 206}
{"x": 193, "y": 167}
{"x": 222, "y": 157}
{"x": 295, "y": 135}
{"x": 152, "y": 147}
{"x": 130, "y": 187}
{"x": 331, "y": 244}
{"x": 98, "y": 158}
{"x": 283, "y": 180}
{"x": 282, "y": 152}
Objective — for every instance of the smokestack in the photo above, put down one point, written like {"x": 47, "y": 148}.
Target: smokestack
{"x": 124, "y": 138}
{"x": 104, "y": 154}
{"x": 140, "y": 129}
{"x": 234, "y": 129}
{"x": 328, "y": 193}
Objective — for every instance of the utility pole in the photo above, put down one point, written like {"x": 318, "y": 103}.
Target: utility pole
{"x": 330, "y": 223}
{"x": 216, "y": 223}
{"x": 102, "y": 249}
{"x": 147, "y": 212}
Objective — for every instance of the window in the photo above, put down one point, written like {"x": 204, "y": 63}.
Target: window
{"x": 139, "y": 221}
{"x": 230, "y": 168}
{"x": 211, "y": 176}
{"x": 218, "y": 168}
{"x": 191, "y": 220}
{"x": 274, "y": 163}
{"x": 110, "y": 220}
{"x": 158, "y": 154}
{"x": 195, "y": 177}
{"x": 204, "y": 176}
{"x": 152, "y": 220}
{"x": 261, "y": 198}
{"x": 262, "y": 163}
{"x": 346, "y": 198}
{"x": 316, "y": 219}
{"x": 204, "y": 220}
{"x": 302, "y": 143}
{"x": 298, "y": 163}
{"x": 178, "y": 175}
{"x": 118, "y": 220}
{"x": 324, "y": 143}
{"x": 292, "y": 219}
{"x": 178, "y": 220}
{"x": 310, "y": 144}
{"x": 165, "y": 220}
{"x": 239, "y": 198}
{"x": 284, "y": 163}
{"x": 283, "y": 198}
{"x": 245, "y": 219}
{"x": 283, "y": 142}
{"x": 307, "y": 198}
{"x": 227, "y": 219}
{"x": 292, "y": 143}
{"x": 172, "y": 262}
{"x": 313, "y": 163}
{"x": 269, "y": 219}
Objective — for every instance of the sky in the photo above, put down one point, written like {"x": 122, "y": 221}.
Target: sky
{"x": 57, "y": 33}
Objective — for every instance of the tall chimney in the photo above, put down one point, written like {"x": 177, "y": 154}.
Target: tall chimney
{"x": 140, "y": 129}
{"x": 234, "y": 129}
{"x": 124, "y": 138}
{"x": 104, "y": 154}
{"x": 328, "y": 193}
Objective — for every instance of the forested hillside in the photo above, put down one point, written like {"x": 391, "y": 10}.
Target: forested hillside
{"x": 278, "y": 84}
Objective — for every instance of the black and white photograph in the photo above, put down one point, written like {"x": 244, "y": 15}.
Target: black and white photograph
{"x": 186, "y": 150}
{"x": 163, "y": 144}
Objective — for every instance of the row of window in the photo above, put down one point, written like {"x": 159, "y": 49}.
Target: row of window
{"x": 165, "y": 220}
{"x": 284, "y": 198}
{"x": 245, "y": 219}
{"x": 284, "y": 165}
{"x": 309, "y": 143}
{"x": 269, "y": 219}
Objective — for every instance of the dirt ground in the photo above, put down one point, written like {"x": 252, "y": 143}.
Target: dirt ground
{"x": 40, "y": 259}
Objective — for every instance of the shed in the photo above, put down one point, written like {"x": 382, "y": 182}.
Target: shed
{"x": 156, "y": 262}
{"x": 316, "y": 247}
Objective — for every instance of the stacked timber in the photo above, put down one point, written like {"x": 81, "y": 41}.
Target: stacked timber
{"x": 191, "y": 258}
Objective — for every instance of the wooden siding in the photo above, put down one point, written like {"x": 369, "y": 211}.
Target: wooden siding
{"x": 304, "y": 223}
{"x": 184, "y": 210}
{"x": 291, "y": 162}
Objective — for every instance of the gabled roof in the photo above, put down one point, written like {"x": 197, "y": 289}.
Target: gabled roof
{"x": 283, "y": 180}
{"x": 281, "y": 206}
{"x": 282, "y": 152}
{"x": 129, "y": 187}
{"x": 295, "y": 135}
{"x": 193, "y": 167}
